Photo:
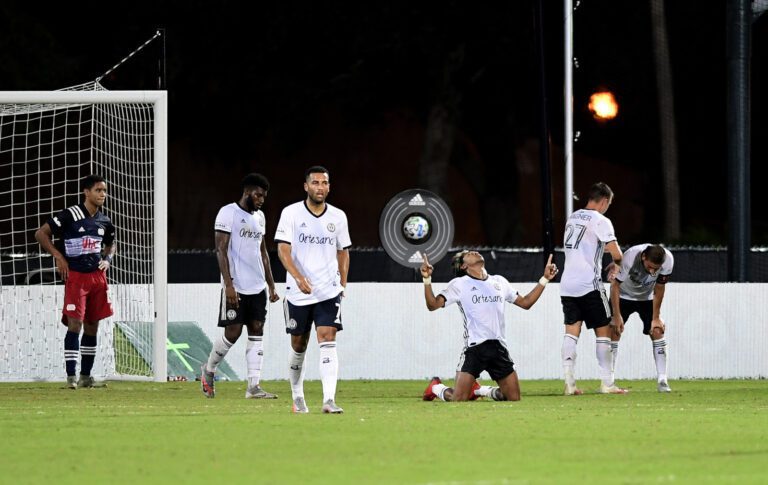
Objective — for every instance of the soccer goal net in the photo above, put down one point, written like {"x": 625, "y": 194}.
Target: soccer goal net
{"x": 48, "y": 142}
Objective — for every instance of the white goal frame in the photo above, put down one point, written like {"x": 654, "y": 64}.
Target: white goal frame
{"x": 159, "y": 101}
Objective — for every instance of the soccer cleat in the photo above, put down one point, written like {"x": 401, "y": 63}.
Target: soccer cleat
{"x": 612, "y": 389}
{"x": 88, "y": 381}
{"x": 330, "y": 407}
{"x": 662, "y": 386}
{"x": 572, "y": 390}
{"x": 256, "y": 392}
{"x": 207, "y": 382}
{"x": 299, "y": 406}
{"x": 71, "y": 382}
{"x": 472, "y": 395}
{"x": 428, "y": 394}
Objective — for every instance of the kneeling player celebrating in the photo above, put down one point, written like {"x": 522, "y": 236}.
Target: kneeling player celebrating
{"x": 481, "y": 298}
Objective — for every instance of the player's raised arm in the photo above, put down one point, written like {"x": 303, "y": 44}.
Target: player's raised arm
{"x": 527, "y": 301}
{"x": 433, "y": 303}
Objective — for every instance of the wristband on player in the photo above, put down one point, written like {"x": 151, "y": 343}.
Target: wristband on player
{"x": 427, "y": 280}
{"x": 107, "y": 258}
{"x": 543, "y": 281}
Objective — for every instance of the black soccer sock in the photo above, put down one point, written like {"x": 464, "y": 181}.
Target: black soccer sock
{"x": 71, "y": 349}
{"x": 88, "y": 353}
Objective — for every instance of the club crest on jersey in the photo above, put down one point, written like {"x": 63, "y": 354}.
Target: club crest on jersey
{"x": 497, "y": 286}
{"x": 291, "y": 324}
{"x": 231, "y": 314}
{"x": 331, "y": 227}
{"x": 100, "y": 231}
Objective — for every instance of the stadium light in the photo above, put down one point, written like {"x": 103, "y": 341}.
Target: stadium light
{"x": 603, "y": 106}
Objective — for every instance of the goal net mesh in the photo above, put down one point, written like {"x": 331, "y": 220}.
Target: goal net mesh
{"x": 45, "y": 150}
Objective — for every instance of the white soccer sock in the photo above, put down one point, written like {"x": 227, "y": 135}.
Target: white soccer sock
{"x": 603, "y": 351}
{"x": 660, "y": 356}
{"x": 439, "y": 391}
{"x": 254, "y": 358}
{"x": 329, "y": 369}
{"x": 614, "y": 356}
{"x": 568, "y": 353}
{"x": 490, "y": 391}
{"x": 484, "y": 391}
{"x": 218, "y": 352}
{"x": 296, "y": 373}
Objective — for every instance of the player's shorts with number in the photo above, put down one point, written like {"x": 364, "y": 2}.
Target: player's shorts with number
{"x": 250, "y": 308}
{"x": 86, "y": 297}
{"x": 298, "y": 319}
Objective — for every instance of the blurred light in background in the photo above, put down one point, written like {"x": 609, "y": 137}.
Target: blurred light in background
{"x": 603, "y": 106}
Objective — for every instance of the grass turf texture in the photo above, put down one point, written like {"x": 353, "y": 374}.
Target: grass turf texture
{"x": 703, "y": 432}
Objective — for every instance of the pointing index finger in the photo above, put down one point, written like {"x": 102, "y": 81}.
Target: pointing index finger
{"x": 549, "y": 261}
{"x": 426, "y": 259}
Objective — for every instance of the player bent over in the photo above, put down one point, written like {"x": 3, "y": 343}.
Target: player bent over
{"x": 83, "y": 255}
{"x": 245, "y": 276}
{"x": 481, "y": 299}
{"x": 639, "y": 287}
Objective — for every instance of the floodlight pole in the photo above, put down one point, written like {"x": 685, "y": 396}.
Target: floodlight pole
{"x": 568, "y": 100}
{"x": 738, "y": 52}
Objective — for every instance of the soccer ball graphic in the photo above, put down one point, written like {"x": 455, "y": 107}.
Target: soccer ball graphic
{"x": 416, "y": 229}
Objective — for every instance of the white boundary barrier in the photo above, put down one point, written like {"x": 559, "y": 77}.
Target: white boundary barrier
{"x": 714, "y": 330}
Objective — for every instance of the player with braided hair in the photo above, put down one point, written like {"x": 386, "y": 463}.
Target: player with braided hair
{"x": 480, "y": 297}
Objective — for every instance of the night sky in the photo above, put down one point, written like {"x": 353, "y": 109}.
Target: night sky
{"x": 276, "y": 88}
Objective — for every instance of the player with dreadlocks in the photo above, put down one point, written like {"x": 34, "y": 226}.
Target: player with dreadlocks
{"x": 480, "y": 297}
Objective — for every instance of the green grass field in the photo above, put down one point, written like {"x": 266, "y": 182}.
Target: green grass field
{"x": 703, "y": 432}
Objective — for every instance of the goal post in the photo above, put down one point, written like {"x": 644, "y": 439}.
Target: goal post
{"x": 48, "y": 141}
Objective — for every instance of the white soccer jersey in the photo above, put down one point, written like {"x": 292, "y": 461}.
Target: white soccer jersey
{"x": 482, "y": 306}
{"x": 586, "y": 234}
{"x": 314, "y": 242}
{"x": 246, "y": 231}
{"x": 636, "y": 283}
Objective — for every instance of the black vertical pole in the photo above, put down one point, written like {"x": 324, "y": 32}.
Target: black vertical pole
{"x": 544, "y": 151}
{"x": 738, "y": 40}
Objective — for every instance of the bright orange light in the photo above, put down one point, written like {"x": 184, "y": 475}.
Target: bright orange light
{"x": 603, "y": 105}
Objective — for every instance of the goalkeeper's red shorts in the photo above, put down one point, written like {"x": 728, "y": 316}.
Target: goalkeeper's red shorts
{"x": 85, "y": 297}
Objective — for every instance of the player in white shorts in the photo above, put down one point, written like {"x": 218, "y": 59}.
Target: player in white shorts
{"x": 588, "y": 233}
{"x": 246, "y": 276}
{"x": 481, "y": 298}
{"x": 313, "y": 245}
{"x": 640, "y": 287}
